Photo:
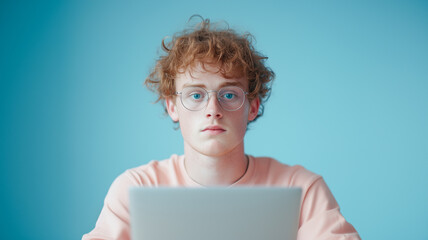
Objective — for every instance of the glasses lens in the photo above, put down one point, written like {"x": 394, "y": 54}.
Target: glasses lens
{"x": 231, "y": 98}
{"x": 193, "y": 98}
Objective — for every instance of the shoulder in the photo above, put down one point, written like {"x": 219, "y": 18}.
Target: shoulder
{"x": 320, "y": 215}
{"x": 145, "y": 175}
{"x": 154, "y": 172}
{"x": 284, "y": 174}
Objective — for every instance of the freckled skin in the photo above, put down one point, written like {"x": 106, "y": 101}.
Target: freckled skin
{"x": 193, "y": 122}
{"x": 212, "y": 158}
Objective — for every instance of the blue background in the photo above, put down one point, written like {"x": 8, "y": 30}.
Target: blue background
{"x": 350, "y": 102}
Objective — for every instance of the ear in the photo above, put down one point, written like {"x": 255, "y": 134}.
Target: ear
{"x": 254, "y": 109}
{"x": 171, "y": 107}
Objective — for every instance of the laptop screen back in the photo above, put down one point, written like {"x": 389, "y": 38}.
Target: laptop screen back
{"x": 214, "y": 213}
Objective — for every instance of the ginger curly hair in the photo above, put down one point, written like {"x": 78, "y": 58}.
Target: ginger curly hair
{"x": 233, "y": 53}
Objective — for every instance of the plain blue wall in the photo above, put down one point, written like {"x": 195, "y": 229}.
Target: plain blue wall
{"x": 350, "y": 102}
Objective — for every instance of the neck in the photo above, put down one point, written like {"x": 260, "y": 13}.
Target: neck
{"x": 221, "y": 170}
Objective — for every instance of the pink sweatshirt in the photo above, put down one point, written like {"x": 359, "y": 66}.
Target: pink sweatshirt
{"x": 320, "y": 216}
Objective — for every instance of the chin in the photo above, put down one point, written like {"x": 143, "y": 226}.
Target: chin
{"x": 217, "y": 149}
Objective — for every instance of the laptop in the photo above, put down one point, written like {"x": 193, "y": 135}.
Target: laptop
{"x": 238, "y": 213}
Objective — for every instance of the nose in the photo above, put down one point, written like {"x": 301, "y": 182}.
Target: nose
{"x": 213, "y": 109}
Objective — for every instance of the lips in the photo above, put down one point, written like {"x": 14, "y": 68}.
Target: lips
{"x": 213, "y": 130}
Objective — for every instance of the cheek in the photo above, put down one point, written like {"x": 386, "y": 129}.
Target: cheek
{"x": 245, "y": 114}
{"x": 187, "y": 124}
{"x": 241, "y": 120}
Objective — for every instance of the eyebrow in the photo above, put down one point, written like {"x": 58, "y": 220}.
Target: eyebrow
{"x": 225, "y": 84}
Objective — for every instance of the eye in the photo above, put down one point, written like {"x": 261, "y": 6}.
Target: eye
{"x": 229, "y": 96}
{"x": 196, "y": 96}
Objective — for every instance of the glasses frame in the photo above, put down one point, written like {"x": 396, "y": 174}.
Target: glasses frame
{"x": 208, "y": 94}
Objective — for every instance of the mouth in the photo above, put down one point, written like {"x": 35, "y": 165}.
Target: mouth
{"x": 214, "y": 130}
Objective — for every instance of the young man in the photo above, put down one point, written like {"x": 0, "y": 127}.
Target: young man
{"x": 214, "y": 84}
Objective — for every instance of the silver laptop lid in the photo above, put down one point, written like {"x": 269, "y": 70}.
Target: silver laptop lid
{"x": 214, "y": 213}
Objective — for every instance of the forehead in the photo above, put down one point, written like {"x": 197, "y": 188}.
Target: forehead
{"x": 209, "y": 77}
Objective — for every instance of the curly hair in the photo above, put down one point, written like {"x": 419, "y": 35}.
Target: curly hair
{"x": 232, "y": 53}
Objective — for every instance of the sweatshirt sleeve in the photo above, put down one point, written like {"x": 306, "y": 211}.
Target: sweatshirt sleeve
{"x": 113, "y": 222}
{"x": 320, "y": 216}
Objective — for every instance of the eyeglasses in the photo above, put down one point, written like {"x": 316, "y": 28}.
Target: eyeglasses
{"x": 231, "y": 98}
